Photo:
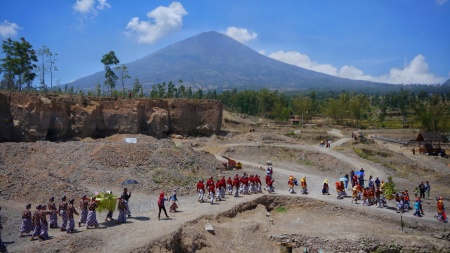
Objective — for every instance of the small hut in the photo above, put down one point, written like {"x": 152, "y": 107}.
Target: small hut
{"x": 430, "y": 142}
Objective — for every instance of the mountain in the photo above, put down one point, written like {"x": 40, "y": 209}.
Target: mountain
{"x": 212, "y": 60}
{"x": 447, "y": 83}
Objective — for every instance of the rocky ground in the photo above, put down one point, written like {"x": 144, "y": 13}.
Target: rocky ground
{"x": 32, "y": 172}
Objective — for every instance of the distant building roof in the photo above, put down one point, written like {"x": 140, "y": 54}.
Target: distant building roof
{"x": 431, "y": 136}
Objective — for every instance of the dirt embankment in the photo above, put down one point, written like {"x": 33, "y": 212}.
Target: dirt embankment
{"x": 32, "y": 117}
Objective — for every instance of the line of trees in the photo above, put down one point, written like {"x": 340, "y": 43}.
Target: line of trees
{"x": 21, "y": 65}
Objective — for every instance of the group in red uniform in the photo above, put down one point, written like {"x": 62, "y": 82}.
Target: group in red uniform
{"x": 217, "y": 190}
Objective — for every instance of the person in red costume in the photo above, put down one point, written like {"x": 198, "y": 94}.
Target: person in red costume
{"x": 270, "y": 187}
{"x": 211, "y": 192}
{"x": 200, "y": 190}
{"x": 236, "y": 184}
{"x": 229, "y": 186}
{"x": 258, "y": 184}
{"x": 268, "y": 178}
{"x": 209, "y": 182}
{"x": 218, "y": 187}
{"x": 223, "y": 186}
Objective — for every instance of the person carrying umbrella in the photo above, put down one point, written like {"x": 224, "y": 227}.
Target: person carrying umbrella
{"x": 126, "y": 197}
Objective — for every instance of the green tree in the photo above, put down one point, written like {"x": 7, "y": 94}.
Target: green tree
{"x": 137, "y": 88}
{"x": 109, "y": 60}
{"x": 19, "y": 61}
{"x": 198, "y": 94}
{"x": 358, "y": 106}
{"x": 154, "y": 92}
{"x": 123, "y": 72}
{"x": 171, "y": 90}
{"x": 303, "y": 106}
{"x": 161, "y": 87}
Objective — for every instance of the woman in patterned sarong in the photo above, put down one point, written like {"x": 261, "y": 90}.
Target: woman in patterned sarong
{"x": 44, "y": 223}
{"x": 2, "y": 245}
{"x": 122, "y": 211}
{"x": 53, "y": 215}
{"x": 63, "y": 213}
{"x": 27, "y": 226}
{"x": 36, "y": 222}
{"x": 84, "y": 202}
{"x": 92, "y": 216}
{"x": 70, "y": 211}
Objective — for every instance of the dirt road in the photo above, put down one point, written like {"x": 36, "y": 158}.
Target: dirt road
{"x": 144, "y": 227}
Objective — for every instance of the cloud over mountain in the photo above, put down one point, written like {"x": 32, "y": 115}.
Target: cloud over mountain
{"x": 416, "y": 71}
{"x": 162, "y": 21}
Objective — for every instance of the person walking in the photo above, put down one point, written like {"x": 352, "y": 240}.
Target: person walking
{"x": 126, "y": 197}
{"x": 173, "y": 198}
{"x": 27, "y": 225}
{"x": 44, "y": 223}
{"x": 91, "y": 220}
{"x": 36, "y": 222}
{"x": 62, "y": 209}
{"x": 70, "y": 211}
{"x": 427, "y": 189}
{"x": 418, "y": 207}
{"x": 84, "y": 203}
{"x": 161, "y": 205}
{"x": 122, "y": 211}
{"x": 422, "y": 190}
{"x": 352, "y": 173}
{"x": 377, "y": 183}
{"x": 200, "y": 190}
{"x": 236, "y": 185}
{"x": 54, "y": 213}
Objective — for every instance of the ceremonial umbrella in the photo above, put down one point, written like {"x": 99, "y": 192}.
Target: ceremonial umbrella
{"x": 129, "y": 181}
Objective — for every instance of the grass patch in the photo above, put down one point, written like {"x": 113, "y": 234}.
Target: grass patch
{"x": 281, "y": 209}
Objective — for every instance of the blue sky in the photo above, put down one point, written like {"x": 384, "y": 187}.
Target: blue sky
{"x": 393, "y": 41}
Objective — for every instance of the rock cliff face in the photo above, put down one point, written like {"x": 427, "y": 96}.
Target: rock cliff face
{"x": 32, "y": 117}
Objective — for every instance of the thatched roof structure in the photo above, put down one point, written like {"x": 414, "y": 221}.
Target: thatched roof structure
{"x": 431, "y": 136}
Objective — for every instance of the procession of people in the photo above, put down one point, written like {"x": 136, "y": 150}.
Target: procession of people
{"x": 35, "y": 223}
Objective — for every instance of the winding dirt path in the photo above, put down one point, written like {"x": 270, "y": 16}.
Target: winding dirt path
{"x": 144, "y": 227}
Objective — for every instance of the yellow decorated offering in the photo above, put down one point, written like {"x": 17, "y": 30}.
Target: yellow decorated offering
{"x": 106, "y": 201}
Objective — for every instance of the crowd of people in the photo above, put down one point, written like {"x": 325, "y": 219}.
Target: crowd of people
{"x": 61, "y": 215}
{"x": 374, "y": 194}
{"x": 36, "y": 224}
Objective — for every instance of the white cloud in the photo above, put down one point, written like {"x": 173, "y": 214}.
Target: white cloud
{"x": 302, "y": 60}
{"x": 90, "y": 6}
{"x": 414, "y": 72}
{"x": 84, "y": 6}
{"x": 103, "y": 4}
{"x": 8, "y": 29}
{"x": 163, "y": 21}
{"x": 441, "y": 2}
{"x": 240, "y": 34}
